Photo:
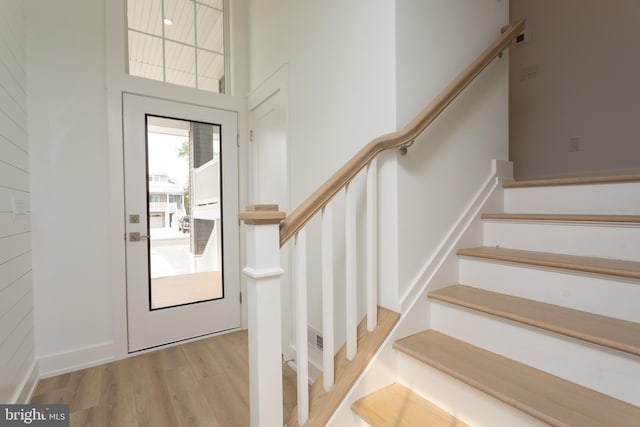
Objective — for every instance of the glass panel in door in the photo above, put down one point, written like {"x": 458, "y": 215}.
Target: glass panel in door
{"x": 184, "y": 215}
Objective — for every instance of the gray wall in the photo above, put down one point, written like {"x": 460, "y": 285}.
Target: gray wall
{"x": 586, "y": 56}
{"x": 16, "y": 294}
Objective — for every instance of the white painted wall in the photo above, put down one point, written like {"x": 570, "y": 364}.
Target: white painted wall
{"x": 239, "y": 46}
{"x": 17, "y": 344}
{"x": 447, "y": 165}
{"x": 587, "y": 87}
{"x": 340, "y": 58}
{"x": 68, "y": 152}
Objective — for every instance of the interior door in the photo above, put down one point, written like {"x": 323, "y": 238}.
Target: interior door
{"x": 182, "y": 233}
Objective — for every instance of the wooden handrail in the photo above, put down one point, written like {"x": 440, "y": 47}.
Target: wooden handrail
{"x": 303, "y": 213}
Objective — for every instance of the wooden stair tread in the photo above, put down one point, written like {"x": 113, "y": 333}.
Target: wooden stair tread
{"x": 323, "y": 404}
{"x": 613, "y": 267}
{"x": 614, "y": 333}
{"x": 563, "y": 217}
{"x": 541, "y": 395}
{"x": 573, "y": 181}
{"x": 397, "y": 406}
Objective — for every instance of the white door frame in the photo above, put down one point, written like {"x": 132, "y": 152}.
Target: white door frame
{"x": 119, "y": 82}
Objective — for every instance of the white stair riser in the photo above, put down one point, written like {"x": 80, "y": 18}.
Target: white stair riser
{"x": 459, "y": 399}
{"x": 607, "y": 371}
{"x": 620, "y": 241}
{"x": 613, "y": 199}
{"x": 599, "y": 294}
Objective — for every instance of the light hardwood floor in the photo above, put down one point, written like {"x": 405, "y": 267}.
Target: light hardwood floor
{"x": 199, "y": 384}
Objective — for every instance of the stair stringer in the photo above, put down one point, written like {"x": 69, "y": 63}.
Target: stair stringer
{"x": 439, "y": 270}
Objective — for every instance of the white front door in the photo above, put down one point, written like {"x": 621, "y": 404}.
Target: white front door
{"x": 181, "y": 215}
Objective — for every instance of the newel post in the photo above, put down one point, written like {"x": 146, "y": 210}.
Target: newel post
{"x": 263, "y": 273}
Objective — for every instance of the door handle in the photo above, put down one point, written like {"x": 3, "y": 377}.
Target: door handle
{"x": 136, "y": 237}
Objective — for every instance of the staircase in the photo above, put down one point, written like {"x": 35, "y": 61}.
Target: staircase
{"x": 543, "y": 326}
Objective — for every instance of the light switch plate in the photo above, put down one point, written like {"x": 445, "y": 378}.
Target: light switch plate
{"x": 19, "y": 207}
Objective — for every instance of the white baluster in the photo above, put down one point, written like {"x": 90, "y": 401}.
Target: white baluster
{"x": 350, "y": 260}
{"x": 264, "y": 315}
{"x": 302, "y": 357}
{"x": 372, "y": 245}
{"x": 327, "y": 297}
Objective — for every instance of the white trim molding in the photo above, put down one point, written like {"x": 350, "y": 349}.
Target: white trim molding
{"x": 80, "y": 358}
{"x": 28, "y": 385}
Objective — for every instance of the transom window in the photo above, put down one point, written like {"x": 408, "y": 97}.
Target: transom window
{"x": 178, "y": 41}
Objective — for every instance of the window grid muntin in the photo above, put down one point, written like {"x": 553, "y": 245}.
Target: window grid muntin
{"x": 221, "y": 79}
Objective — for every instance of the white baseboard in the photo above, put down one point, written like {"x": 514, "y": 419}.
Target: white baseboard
{"x": 314, "y": 368}
{"x": 27, "y": 385}
{"x": 86, "y": 357}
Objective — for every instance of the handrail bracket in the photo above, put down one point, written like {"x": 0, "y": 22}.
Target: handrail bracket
{"x": 405, "y": 148}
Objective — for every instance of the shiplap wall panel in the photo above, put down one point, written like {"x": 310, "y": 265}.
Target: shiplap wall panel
{"x": 13, "y": 87}
{"x": 17, "y": 178}
{"x": 19, "y": 342}
{"x": 22, "y": 356}
{"x": 13, "y": 321}
{"x": 11, "y": 375}
{"x": 8, "y": 194}
{"x": 15, "y": 292}
{"x": 16, "y": 285}
{"x": 14, "y": 45}
{"x": 14, "y": 155}
{"x": 14, "y": 269}
{"x": 12, "y": 108}
{"x": 16, "y": 338}
{"x": 10, "y": 130}
{"x": 12, "y": 246}
{"x": 12, "y": 71}
{"x": 14, "y": 67}
{"x": 10, "y": 226}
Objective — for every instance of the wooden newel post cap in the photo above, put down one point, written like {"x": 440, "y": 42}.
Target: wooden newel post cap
{"x": 262, "y": 215}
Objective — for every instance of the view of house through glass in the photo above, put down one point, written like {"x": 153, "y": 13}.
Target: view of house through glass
{"x": 184, "y": 215}
{"x": 177, "y": 41}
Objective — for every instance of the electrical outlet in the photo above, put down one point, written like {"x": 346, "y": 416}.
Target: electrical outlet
{"x": 574, "y": 144}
